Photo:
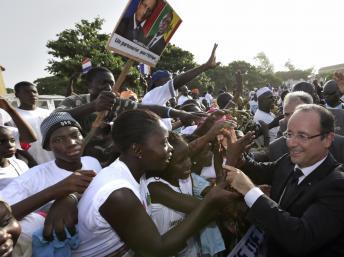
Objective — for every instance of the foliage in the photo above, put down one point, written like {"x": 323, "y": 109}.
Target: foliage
{"x": 264, "y": 64}
{"x": 69, "y": 50}
{"x": 175, "y": 60}
{"x": 201, "y": 82}
{"x": 86, "y": 40}
{"x": 224, "y": 76}
{"x": 52, "y": 85}
{"x": 289, "y": 65}
{"x": 295, "y": 74}
{"x": 9, "y": 90}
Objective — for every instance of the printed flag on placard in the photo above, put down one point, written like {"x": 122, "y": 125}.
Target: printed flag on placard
{"x": 146, "y": 42}
{"x": 86, "y": 65}
{"x": 151, "y": 27}
{"x": 144, "y": 69}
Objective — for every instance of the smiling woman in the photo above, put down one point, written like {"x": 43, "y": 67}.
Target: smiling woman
{"x": 113, "y": 214}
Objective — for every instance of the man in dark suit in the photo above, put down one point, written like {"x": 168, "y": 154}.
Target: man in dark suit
{"x": 131, "y": 27}
{"x": 157, "y": 43}
{"x": 304, "y": 215}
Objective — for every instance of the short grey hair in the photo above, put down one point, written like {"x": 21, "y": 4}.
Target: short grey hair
{"x": 298, "y": 96}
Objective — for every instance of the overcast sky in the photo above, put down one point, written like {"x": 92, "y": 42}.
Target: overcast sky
{"x": 308, "y": 32}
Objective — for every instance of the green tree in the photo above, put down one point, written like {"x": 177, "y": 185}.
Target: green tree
{"x": 71, "y": 47}
{"x": 175, "y": 60}
{"x": 264, "y": 64}
{"x": 9, "y": 90}
{"x": 52, "y": 85}
{"x": 295, "y": 74}
{"x": 289, "y": 65}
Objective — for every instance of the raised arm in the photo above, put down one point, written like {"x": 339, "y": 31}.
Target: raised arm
{"x": 134, "y": 226}
{"x": 104, "y": 102}
{"x": 163, "y": 194}
{"x": 76, "y": 182}
{"x": 189, "y": 75}
{"x": 26, "y": 133}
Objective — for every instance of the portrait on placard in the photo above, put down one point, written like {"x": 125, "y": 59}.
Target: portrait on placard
{"x": 145, "y": 28}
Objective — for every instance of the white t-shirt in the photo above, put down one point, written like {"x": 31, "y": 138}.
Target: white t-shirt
{"x": 35, "y": 180}
{"x": 35, "y": 118}
{"x": 165, "y": 218}
{"x": 16, "y": 168}
{"x": 4, "y": 117}
{"x": 209, "y": 98}
{"x": 267, "y": 118}
{"x": 96, "y": 234}
{"x": 253, "y": 106}
{"x": 188, "y": 130}
{"x": 41, "y": 177}
{"x": 182, "y": 99}
{"x": 159, "y": 96}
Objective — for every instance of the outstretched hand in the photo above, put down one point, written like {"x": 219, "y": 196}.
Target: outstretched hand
{"x": 191, "y": 118}
{"x": 211, "y": 63}
{"x": 238, "y": 180}
{"x": 78, "y": 181}
{"x": 104, "y": 101}
{"x": 220, "y": 127}
{"x": 62, "y": 214}
{"x": 220, "y": 197}
{"x": 236, "y": 148}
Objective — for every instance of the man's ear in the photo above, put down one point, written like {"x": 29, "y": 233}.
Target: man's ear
{"x": 137, "y": 150}
{"x": 329, "y": 139}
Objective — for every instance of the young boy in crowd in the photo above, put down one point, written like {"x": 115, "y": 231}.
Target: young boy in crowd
{"x": 40, "y": 186}
{"x": 10, "y": 167}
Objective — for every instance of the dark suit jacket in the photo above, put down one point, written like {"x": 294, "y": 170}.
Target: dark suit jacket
{"x": 278, "y": 148}
{"x": 158, "y": 46}
{"x": 338, "y": 120}
{"x": 312, "y": 222}
{"x": 126, "y": 29}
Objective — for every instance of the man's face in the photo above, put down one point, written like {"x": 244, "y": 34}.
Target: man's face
{"x": 66, "y": 144}
{"x": 144, "y": 9}
{"x": 289, "y": 108}
{"x": 266, "y": 101}
{"x": 28, "y": 95}
{"x": 309, "y": 151}
{"x": 103, "y": 81}
{"x": 164, "y": 23}
{"x": 7, "y": 143}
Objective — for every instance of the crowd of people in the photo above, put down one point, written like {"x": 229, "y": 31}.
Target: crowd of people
{"x": 173, "y": 172}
